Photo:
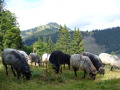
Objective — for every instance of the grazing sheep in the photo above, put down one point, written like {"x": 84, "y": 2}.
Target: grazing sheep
{"x": 17, "y": 61}
{"x": 45, "y": 58}
{"x": 33, "y": 57}
{"x": 57, "y": 58}
{"x": 108, "y": 59}
{"x": 78, "y": 61}
{"x": 96, "y": 62}
{"x": 24, "y": 53}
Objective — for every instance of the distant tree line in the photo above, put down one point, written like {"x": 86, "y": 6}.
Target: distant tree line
{"x": 110, "y": 38}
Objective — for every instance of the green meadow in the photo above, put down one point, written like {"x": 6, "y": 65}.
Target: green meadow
{"x": 48, "y": 80}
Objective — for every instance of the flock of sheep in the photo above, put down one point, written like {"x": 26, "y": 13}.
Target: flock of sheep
{"x": 90, "y": 63}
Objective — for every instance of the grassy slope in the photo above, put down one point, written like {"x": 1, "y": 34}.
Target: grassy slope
{"x": 110, "y": 80}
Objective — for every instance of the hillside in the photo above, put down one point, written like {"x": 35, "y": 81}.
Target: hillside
{"x": 96, "y": 41}
{"x": 39, "y": 30}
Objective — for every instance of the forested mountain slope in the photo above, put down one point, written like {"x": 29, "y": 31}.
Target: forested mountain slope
{"x": 96, "y": 41}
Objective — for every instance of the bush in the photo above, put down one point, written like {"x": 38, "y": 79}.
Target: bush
{"x": 50, "y": 75}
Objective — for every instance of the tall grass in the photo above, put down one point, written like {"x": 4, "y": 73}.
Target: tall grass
{"x": 48, "y": 80}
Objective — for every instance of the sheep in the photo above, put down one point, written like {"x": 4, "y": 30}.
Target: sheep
{"x": 78, "y": 61}
{"x": 57, "y": 58}
{"x": 96, "y": 62}
{"x": 17, "y": 61}
{"x": 45, "y": 57}
{"x": 111, "y": 60}
{"x": 33, "y": 57}
{"x": 24, "y": 53}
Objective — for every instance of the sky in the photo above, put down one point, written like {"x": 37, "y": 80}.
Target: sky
{"x": 83, "y": 14}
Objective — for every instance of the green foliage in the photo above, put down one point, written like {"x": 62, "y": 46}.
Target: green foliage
{"x": 27, "y": 49}
{"x": 9, "y": 30}
{"x": 50, "y": 48}
{"x": 44, "y": 40}
{"x": 77, "y": 44}
{"x": 64, "y": 39}
{"x": 112, "y": 53}
{"x": 109, "y": 38}
{"x": 39, "y": 47}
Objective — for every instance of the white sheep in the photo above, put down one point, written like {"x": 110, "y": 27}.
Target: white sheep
{"x": 109, "y": 59}
{"x": 25, "y": 54}
{"x": 78, "y": 61}
{"x": 45, "y": 57}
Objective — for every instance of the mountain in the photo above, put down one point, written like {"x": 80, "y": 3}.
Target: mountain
{"x": 96, "y": 41}
{"x": 49, "y": 26}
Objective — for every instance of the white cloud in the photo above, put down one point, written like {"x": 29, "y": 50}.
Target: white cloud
{"x": 83, "y": 14}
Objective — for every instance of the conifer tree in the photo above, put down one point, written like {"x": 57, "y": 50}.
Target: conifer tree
{"x": 44, "y": 40}
{"x": 77, "y": 44}
{"x": 63, "y": 40}
{"x": 50, "y": 45}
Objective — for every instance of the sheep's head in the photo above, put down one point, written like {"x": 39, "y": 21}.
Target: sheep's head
{"x": 102, "y": 70}
{"x": 93, "y": 74}
{"x": 26, "y": 71}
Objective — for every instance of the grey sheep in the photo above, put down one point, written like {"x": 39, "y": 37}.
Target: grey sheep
{"x": 17, "y": 61}
{"x": 78, "y": 61}
{"x": 33, "y": 57}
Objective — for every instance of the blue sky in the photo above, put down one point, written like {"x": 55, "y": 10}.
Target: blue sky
{"x": 82, "y": 14}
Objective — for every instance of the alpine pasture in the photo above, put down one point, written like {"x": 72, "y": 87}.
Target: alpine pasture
{"x": 42, "y": 80}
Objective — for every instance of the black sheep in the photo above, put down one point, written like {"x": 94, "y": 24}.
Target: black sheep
{"x": 96, "y": 62}
{"x": 17, "y": 61}
{"x": 57, "y": 58}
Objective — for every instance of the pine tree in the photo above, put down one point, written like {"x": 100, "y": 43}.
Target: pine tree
{"x": 59, "y": 39}
{"x": 112, "y": 53}
{"x": 44, "y": 40}
{"x": 64, "y": 39}
{"x": 77, "y": 44}
{"x": 50, "y": 45}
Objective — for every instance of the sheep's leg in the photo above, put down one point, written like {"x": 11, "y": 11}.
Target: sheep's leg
{"x": 57, "y": 68}
{"x": 75, "y": 71}
{"x": 13, "y": 71}
{"x": 64, "y": 65}
{"x": 84, "y": 74}
{"x": 18, "y": 74}
{"x": 39, "y": 64}
{"x": 111, "y": 68}
{"x": 35, "y": 63}
{"x": 69, "y": 66}
{"x": 61, "y": 69}
{"x": 6, "y": 69}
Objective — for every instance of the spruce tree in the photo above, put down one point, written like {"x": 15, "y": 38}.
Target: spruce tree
{"x": 64, "y": 39}
{"x": 77, "y": 44}
{"x": 50, "y": 45}
{"x": 44, "y": 40}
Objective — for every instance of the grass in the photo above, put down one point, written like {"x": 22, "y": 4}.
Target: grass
{"x": 41, "y": 80}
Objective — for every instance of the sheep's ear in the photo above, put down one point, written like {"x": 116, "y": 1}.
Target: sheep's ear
{"x": 81, "y": 57}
